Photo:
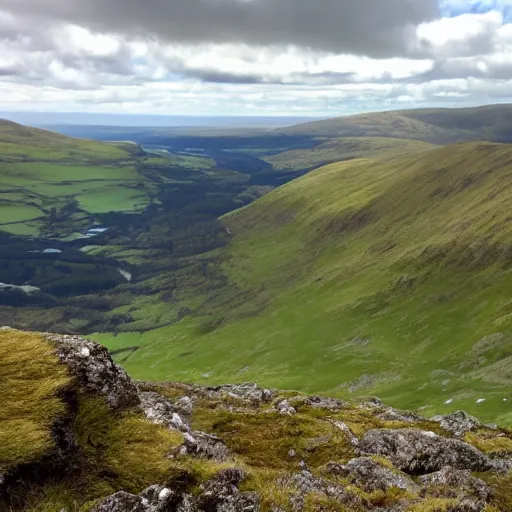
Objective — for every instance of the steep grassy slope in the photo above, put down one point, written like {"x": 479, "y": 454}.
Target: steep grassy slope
{"x": 347, "y": 148}
{"x": 44, "y": 175}
{"x": 365, "y": 277}
{"x": 439, "y": 126}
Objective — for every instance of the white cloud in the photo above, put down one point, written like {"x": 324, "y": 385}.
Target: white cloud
{"x": 61, "y": 65}
{"x": 467, "y": 34}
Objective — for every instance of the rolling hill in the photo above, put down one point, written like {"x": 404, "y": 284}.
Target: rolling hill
{"x": 439, "y": 126}
{"x": 387, "y": 277}
{"x": 347, "y": 148}
{"x": 45, "y": 176}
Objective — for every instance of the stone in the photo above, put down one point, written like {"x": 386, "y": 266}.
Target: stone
{"x": 93, "y": 368}
{"x": 372, "y": 402}
{"x": 471, "y": 494}
{"x": 284, "y": 408}
{"x": 371, "y": 476}
{"x": 391, "y": 414}
{"x": 185, "y": 405}
{"x": 157, "y": 409}
{"x": 419, "y": 452}
{"x": 247, "y": 392}
{"x": 458, "y": 423}
{"x": 206, "y": 446}
{"x": 458, "y": 479}
{"x": 221, "y": 493}
{"x": 178, "y": 423}
{"x": 161, "y": 499}
{"x": 305, "y": 482}
{"x": 122, "y": 502}
{"x": 354, "y": 441}
{"x": 325, "y": 403}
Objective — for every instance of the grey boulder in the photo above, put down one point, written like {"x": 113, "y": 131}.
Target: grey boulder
{"x": 419, "y": 452}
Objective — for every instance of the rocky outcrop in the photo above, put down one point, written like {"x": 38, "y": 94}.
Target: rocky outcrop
{"x": 305, "y": 483}
{"x": 158, "y": 409}
{"x": 386, "y": 413}
{"x": 161, "y": 411}
{"x": 471, "y": 494}
{"x": 94, "y": 370}
{"x": 458, "y": 423}
{"x": 122, "y": 502}
{"x": 343, "y": 427}
{"x": 220, "y": 494}
{"x": 418, "y": 452}
{"x": 325, "y": 403}
{"x": 247, "y": 392}
{"x": 371, "y": 476}
{"x": 206, "y": 446}
{"x": 457, "y": 479}
{"x": 284, "y": 408}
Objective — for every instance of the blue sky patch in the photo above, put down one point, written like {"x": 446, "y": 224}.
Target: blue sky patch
{"x": 456, "y": 7}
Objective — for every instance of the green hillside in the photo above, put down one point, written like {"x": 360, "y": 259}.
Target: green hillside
{"x": 348, "y": 148}
{"x": 439, "y": 126}
{"x": 46, "y": 177}
{"x": 388, "y": 278}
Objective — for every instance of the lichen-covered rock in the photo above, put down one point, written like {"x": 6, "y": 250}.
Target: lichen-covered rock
{"x": 392, "y": 414}
{"x": 156, "y": 498}
{"x": 284, "y": 408}
{"x": 306, "y": 483}
{"x": 458, "y": 423}
{"x": 122, "y": 502}
{"x": 354, "y": 441}
{"x": 95, "y": 371}
{"x": 159, "y": 498}
{"x": 221, "y": 493}
{"x": 325, "y": 403}
{"x": 371, "y": 476}
{"x": 161, "y": 411}
{"x": 205, "y": 446}
{"x": 420, "y": 452}
{"x": 185, "y": 405}
{"x": 461, "y": 480}
{"x": 157, "y": 409}
{"x": 470, "y": 494}
{"x": 371, "y": 402}
{"x": 248, "y": 392}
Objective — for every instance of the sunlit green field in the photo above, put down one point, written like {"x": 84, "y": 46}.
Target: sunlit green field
{"x": 41, "y": 172}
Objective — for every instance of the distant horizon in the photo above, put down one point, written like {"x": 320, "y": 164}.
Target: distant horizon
{"x": 152, "y": 120}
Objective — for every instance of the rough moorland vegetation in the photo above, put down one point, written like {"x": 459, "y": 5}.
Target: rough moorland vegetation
{"x": 77, "y": 434}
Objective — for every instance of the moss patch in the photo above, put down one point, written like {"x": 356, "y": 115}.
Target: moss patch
{"x": 31, "y": 378}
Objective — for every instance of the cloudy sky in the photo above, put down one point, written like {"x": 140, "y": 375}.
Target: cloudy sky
{"x": 253, "y": 57}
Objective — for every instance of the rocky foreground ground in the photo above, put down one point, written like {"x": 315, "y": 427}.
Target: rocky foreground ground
{"x": 122, "y": 446}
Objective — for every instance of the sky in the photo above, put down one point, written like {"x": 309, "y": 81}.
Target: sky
{"x": 253, "y": 57}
